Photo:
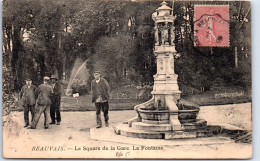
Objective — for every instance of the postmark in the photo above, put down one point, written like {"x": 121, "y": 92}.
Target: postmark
{"x": 211, "y": 25}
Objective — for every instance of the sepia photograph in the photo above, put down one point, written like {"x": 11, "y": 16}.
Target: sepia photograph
{"x": 126, "y": 79}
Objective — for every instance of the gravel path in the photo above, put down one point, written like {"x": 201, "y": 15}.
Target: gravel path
{"x": 71, "y": 139}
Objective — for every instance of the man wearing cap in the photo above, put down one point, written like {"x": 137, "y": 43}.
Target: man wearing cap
{"x": 100, "y": 95}
{"x": 43, "y": 103}
{"x": 27, "y": 100}
{"x": 55, "y": 100}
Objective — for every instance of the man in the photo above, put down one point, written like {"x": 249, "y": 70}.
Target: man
{"x": 27, "y": 100}
{"x": 100, "y": 95}
{"x": 55, "y": 100}
{"x": 43, "y": 103}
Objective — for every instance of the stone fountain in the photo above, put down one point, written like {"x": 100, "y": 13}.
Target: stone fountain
{"x": 166, "y": 115}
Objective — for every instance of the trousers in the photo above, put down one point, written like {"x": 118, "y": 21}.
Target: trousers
{"x": 39, "y": 109}
{"x": 104, "y": 107}
{"x": 26, "y": 109}
{"x": 55, "y": 109}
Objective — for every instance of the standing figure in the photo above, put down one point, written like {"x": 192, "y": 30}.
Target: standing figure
{"x": 27, "y": 100}
{"x": 100, "y": 95}
{"x": 162, "y": 35}
{"x": 156, "y": 35}
{"x": 172, "y": 35}
{"x": 55, "y": 100}
{"x": 43, "y": 103}
{"x": 166, "y": 36}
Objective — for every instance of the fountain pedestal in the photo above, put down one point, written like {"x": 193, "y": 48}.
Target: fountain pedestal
{"x": 165, "y": 116}
{"x": 166, "y": 90}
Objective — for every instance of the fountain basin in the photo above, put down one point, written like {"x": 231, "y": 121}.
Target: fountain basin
{"x": 186, "y": 116}
{"x": 152, "y": 114}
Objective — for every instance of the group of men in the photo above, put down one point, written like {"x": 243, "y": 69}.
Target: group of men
{"x": 46, "y": 99}
{"x": 42, "y": 99}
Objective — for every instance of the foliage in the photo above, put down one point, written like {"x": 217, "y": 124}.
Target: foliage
{"x": 117, "y": 37}
{"x": 113, "y": 56}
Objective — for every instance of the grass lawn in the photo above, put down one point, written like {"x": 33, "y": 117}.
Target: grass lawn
{"x": 84, "y": 103}
{"x": 221, "y": 97}
{"x": 119, "y": 101}
{"x": 208, "y": 98}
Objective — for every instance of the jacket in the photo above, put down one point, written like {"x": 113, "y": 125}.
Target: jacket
{"x": 27, "y": 95}
{"x": 104, "y": 89}
{"x": 57, "y": 90}
{"x": 44, "y": 94}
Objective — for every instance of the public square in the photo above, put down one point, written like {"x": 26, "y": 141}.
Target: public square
{"x": 75, "y": 128}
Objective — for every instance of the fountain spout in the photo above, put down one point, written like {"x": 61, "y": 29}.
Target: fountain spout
{"x": 159, "y": 104}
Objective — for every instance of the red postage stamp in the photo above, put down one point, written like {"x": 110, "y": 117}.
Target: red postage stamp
{"x": 211, "y": 25}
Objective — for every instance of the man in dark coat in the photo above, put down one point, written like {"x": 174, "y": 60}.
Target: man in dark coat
{"x": 55, "y": 100}
{"x": 27, "y": 100}
{"x": 43, "y": 103}
{"x": 100, "y": 95}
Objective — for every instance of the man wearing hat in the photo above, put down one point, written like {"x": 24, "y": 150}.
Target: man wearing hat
{"x": 43, "y": 103}
{"x": 100, "y": 94}
{"x": 27, "y": 100}
{"x": 55, "y": 100}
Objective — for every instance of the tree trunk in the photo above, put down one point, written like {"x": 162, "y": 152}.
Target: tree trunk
{"x": 16, "y": 48}
{"x": 7, "y": 77}
{"x": 236, "y": 59}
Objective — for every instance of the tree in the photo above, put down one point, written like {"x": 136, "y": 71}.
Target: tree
{"x": 50, "y": 35}
{"x": 113, "y": 56}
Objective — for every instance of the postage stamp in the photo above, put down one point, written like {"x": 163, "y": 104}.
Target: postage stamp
{"x": 211, "y": 25}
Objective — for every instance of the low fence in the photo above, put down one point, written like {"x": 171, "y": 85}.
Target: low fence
{"x": 144, "y": 95}
{"x": 232, "y": 94}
